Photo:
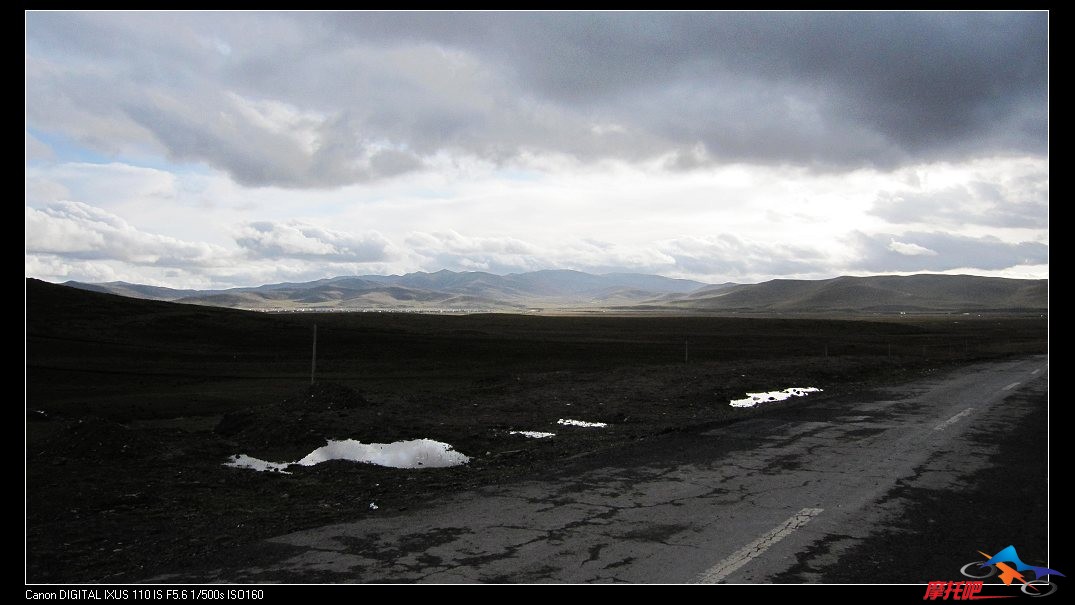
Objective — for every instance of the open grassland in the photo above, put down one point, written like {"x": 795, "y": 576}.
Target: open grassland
{"x": 125, "y": 474}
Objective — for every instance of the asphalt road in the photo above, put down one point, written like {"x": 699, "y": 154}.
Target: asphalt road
{"x": 778, "y": 498}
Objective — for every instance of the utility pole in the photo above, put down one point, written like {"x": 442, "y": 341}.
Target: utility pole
{"x": 313, "y": 358}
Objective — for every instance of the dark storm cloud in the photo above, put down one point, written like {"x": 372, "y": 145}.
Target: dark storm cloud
{"x": 362, "y": 96}
{"x": 917, "y": 83}
{"x": 936, "y": 251}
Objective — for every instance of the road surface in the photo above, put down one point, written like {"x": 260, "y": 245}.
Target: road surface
{"x": 744, "y": 503}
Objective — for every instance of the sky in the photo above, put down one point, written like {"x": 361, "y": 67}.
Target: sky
{"x": 221, "y": 149}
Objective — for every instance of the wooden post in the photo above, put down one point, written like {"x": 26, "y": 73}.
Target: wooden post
{"x": 313, "y": 358}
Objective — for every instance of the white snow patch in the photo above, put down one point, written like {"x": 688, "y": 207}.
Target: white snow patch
{"x": 532, "y": 434}
{"x": 416, "y": 453}
{"x": 373, "y": 506}
{"x": 753, "y": 399}
{"x": 581, "y": 423}
{"x": 244, "y": 461}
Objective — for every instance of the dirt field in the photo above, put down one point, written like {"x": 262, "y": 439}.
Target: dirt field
{"x": 134, "y": 406}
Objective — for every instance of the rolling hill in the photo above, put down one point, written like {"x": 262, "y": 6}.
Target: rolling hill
{"x": 882, "y": 293}
{"x": 479, "y": 291}
{"x": 472, "y": 290}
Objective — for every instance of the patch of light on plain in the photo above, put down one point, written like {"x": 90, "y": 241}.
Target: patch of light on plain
{"x": 532, "y": 434}
{"x": 416, "y": 453}
{"x": 570, "y": 422}
{"x": 753, "y": 399}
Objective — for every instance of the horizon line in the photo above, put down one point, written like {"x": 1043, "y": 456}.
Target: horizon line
{"x": 611, "y": 273}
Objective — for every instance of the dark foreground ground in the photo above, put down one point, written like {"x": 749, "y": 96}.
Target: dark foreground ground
{"x": 877, "y": 486}
{"x": 133, "y": 406}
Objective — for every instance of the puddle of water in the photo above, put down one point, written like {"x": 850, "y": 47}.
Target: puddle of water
{"x": 532, "y": 434}
{"x": 753, "y": 399}
{"x": 416, "y": 453}
{"x": 570, "y": 422}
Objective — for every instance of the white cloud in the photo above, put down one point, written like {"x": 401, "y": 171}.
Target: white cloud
{"x": 297, "y": 240}
{"x": 79, "y": 231}
{"x": 451, "y": 250}
{"x": 112, "y": 184}
{"x": 730, "y": 258}
{"x": 876, "y": 253}
{"x": 910, "y": 249}
{"x": 733, "y": 223}
{"x": 57, "y": 268}
{"x": 999, "y": 193}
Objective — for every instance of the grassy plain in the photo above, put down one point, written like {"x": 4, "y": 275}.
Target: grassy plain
{"x": 125, "y": 475}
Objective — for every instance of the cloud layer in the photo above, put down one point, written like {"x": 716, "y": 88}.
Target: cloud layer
{"x": 293, "y": 239}
{"x": 936, "y": 251}
{"x": 348, "y": 98}
{"x": 78, "y": 231}
{"x": 228, "y": 149}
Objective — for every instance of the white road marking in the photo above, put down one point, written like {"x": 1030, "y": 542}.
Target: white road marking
{"x": 952, "y": 420}
{"x": 1035, "y": 371}
{"x": 756, "y": 548}
{"x": 1010, "y": 386}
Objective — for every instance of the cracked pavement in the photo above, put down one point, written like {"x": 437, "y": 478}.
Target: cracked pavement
{"x": 685, "y": 507}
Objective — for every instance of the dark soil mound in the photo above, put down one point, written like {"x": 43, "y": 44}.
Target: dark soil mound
{"x": 299, "y": 423}
{"x": 326, "y": 396}
{"x": 234, "y": 423}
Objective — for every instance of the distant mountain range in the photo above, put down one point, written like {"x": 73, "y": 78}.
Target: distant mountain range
{"x": 561, "y": 289}
{"x": 471, "y": 290}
